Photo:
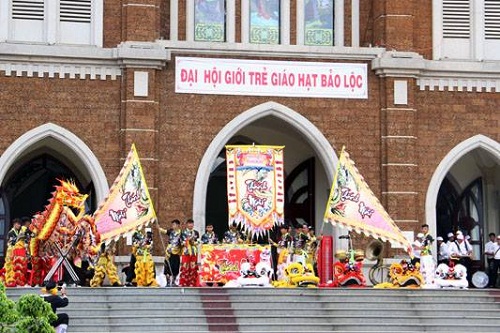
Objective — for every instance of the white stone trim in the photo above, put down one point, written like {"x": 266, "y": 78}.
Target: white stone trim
{"x": 338, "y": 23}
{"x": 19, "y": 59}
{"x": 31, "y": 138}
{"x": 355, "y": 23}
{"x": 299, "y": 34}
{"x": 273, "y": 50}
{"x": 4, "y": 20}
{"x": 459, "y": 84}
{"x": 285, "y": 22}
{"x": 463, "y": 148}
{"x": 400, "y": 164}
{"x": 478, "y": 76}
{"x": 245, "y": 21}
{"x": 230, "y": 21}
{"x": 311, "y": 133}
{"x": 189, "y": 20}
{"x": 174, "y": 20}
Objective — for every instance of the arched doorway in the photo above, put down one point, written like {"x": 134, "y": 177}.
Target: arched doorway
{"x": 271, "y": 124}
{"x": 29, "y": 168}
{"x": 466, "y": 185}
{"x": 30, "y": 186}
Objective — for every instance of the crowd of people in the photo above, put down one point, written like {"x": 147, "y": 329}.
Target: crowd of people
{"x": 458, "y": 249}
{"x": 180, "y": 267}
{"x": 182, "y": 246}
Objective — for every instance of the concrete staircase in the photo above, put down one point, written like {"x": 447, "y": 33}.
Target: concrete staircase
{"x": 279, "y": 310}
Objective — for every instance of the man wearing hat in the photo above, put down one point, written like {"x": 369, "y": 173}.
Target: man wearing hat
{"x": 451, "y": 239}
{"x": 49, "y": 294}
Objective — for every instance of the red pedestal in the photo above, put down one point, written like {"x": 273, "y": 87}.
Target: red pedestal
{"x": 325, "y": 259}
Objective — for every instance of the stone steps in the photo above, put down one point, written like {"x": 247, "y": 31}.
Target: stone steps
{"x": 279, "y": 310}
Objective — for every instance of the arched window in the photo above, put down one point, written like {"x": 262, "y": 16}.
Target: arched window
{"x": 76, "y": 22}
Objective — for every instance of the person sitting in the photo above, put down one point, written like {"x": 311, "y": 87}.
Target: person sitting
{"x": 49, "y": 294}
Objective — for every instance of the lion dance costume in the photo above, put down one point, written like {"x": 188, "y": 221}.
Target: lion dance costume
{"x": 144, "y": 265}
{"x": 105, "y": 266}
{"x": 189, "y": 259}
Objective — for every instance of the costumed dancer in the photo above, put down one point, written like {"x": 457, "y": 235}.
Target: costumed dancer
{"x": 49, "y": 294}
{"x": 299, "y": 245}
{"x": 427, "y": 263}
{"x": 11, "y": 241}
{"x": 172, "y": 253}
{"x": 209, "y": 237}
{"x": 130, "y": 270}
{"x": 283, "y": 249}
{"x": 144, "y": 265}
{"x": 233, "y": 235}
{"x": 39, "y": 265}
{"x": 16, "y": 266}
{"x": 189, "y": 259}
{"x": 310, "y": 246}
{"x": 105, "y": 266}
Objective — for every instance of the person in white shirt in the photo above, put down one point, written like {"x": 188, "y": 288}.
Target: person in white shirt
{"x": 461, "y": 252}
{"x": 493, "y": 276}
{"x": 451, "y": 239}
{"x": 489, "y": 249}
{"x": 443, "y": 255}
{"x": 417, "y": 248}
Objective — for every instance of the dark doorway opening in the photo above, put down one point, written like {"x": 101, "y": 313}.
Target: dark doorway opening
{"x": 463, "y": 211}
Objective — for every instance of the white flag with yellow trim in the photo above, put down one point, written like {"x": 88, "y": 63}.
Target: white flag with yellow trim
{"x": 128, "y": 205}
{"x": 353, "y": 205}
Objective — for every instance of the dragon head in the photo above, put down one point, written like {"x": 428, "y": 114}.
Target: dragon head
{"x": 68, "y": 195}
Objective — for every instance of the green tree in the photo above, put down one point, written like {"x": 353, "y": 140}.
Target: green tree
{"x": 31, "y": 314}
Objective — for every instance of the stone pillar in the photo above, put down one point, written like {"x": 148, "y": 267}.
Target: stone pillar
{"x": 142, "y": 62}
{"x": 399, "y": 156}
{"x": 393, "y": 24}
{"x": 140, "y": 20}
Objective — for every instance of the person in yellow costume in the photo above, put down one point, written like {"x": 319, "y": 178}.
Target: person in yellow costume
{"x": 16, "y": 264}
{"x": 105, "y": 266}
{"x": 144, "y": 265}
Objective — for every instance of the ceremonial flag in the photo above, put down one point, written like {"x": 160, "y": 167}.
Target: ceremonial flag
{"x": 128, "y": 205}
{"x": 255, "y": 187}
{"x": 353, "y": 205}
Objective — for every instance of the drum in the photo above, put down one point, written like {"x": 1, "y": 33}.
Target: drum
{"x": 480, "y": 279}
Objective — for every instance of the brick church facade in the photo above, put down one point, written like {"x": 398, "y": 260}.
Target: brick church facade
{"x": 83, "y": 80}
